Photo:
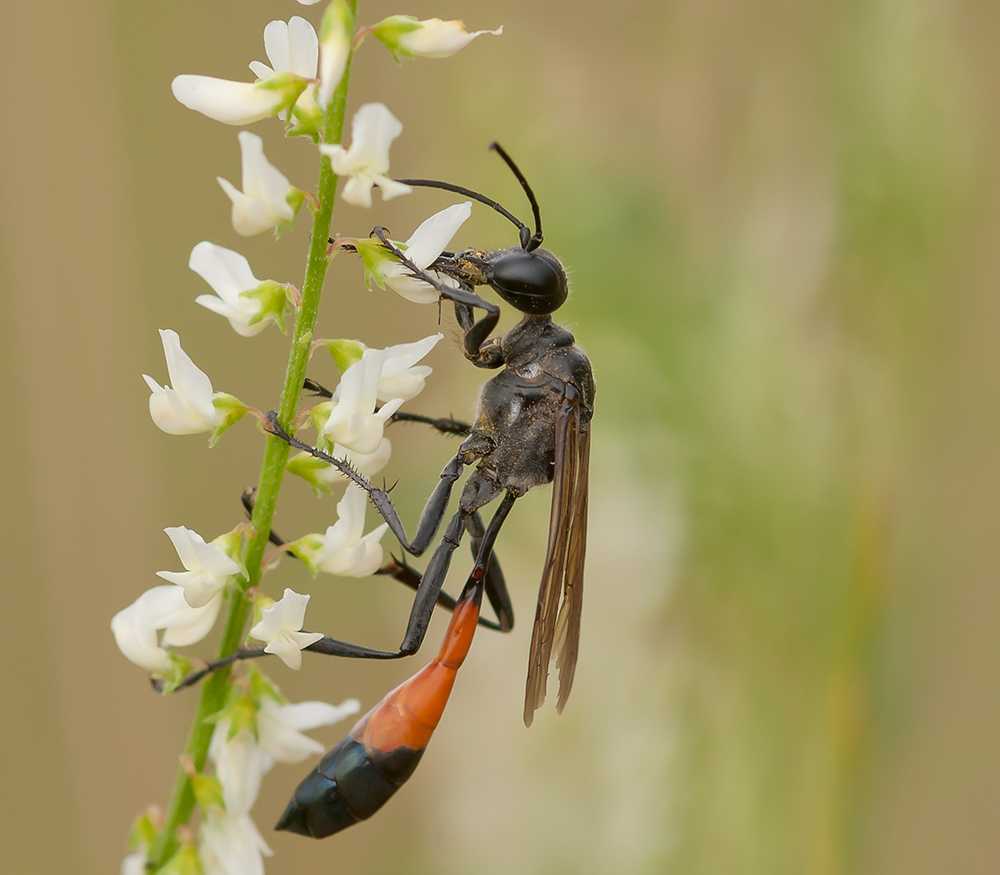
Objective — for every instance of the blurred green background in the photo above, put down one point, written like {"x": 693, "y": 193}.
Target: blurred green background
{"x": 781, "y": 221}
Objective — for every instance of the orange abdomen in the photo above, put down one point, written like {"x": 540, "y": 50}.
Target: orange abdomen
{"x": 360, "y": 774}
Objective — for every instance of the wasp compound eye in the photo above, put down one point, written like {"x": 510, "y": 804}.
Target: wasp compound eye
{"x": 533, "y": 282}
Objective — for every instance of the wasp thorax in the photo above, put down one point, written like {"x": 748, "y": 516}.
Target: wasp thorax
{"x": 533, "y": 282}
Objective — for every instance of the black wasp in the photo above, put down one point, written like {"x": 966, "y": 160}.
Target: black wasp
{"x": 532, "y": 428}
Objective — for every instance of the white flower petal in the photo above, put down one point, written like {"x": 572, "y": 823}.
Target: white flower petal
{"x": 366, "y": 162}
{"x": 261, "y": 70}
{"x": 373, "y": 129}
{"x": 280, "y": 626}
{"x": 310, "y": 715}
{"x": 184, "y": 407}
{"x": 239, "y": 765}
{"x": 292, "y": 47}
{"x": 135, "y": 636}
{"x": 263, "y": 203}
{"x": 226, "y": 271}
{"x": 434, "y": 234}
{"x": 233, "y": 103}
{"x": 358, "y": 190}
{"x": 231, "y": 845}
{"x": 440, "y": 39}
{"x": 187, "y": 379}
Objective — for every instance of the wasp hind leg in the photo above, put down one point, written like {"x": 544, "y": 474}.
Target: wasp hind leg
{"x": 407, "y": 575}
{"x": 496, "y": 586}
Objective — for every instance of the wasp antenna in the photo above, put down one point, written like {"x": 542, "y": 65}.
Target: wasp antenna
{"x": 468, "y": 192}
{"x": 536, "y": 239}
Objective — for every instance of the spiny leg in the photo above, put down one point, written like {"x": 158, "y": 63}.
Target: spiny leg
{"x": 474, "y": 335}
{"x": 434, "y": 510}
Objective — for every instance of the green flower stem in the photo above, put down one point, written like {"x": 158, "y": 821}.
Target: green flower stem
{"x": 214, "y": 690}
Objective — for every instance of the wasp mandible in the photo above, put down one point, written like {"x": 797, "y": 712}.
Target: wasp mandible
{"x": 532, "y": 428}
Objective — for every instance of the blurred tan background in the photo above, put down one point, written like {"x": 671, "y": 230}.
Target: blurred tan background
{"x": 781, "y": 221}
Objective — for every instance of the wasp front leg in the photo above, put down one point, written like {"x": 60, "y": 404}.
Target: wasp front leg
{"x": 477, "y": 333}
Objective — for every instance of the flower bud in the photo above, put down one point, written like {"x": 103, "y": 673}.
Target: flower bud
{"x": 431, "y": 38}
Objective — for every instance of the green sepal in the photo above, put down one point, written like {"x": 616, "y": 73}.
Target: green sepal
{"x": 389, "y": 30}
{"x": 240, "y": 710}
{"x": 291, "y": 85}
{"x": 305, "y": 124}
{"x": 273, "y": 299}
{"x": 373, "y": 256}
{"x": 309, "y": 468}
{"x": 207, "y": 791}
{"x": 183, "y": 862}
{"x": 231, "y": 543}
{"x": 143, "y": 832}
{"x": 345, "y": 352}
{"x": 180, "y": 667}
{"x": 233, "y": 411}
{"x": 294, "y": 199}
{"x": 262, "y": 687}
{"x": 308, "y": 548}
{"x": 319, "y": 414}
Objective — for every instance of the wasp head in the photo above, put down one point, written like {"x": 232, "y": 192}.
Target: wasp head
{"x": 532, "y": 282}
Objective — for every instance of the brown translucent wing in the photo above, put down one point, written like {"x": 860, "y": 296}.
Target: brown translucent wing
{"x": 560, "y": 596}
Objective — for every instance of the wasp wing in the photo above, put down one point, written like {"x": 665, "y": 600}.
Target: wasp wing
{"x": 560, "y": 596}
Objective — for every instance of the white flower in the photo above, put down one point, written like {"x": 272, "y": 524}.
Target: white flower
{"x": 208, "y": 567}
{"x": 229, "y": 274}
{"x": 430, "y": 38}
{"x": 231, "y": 844}
{"x": 345, "y": 551}
{"x": 439, "y": 39}
{"x": 279, "y": 728}
{"x": 353, "y": 421}
{"x": 185, "y": 406}
{"x": 162, "y": 607}
{"x": 135, "y": 636}
{"x": 334, "y": 47}
{"x": 241, "y": 761}
{"x": 425, "y": 244}
{"x": 234, "y": 103}
{"x": 292, "y": 48}
{"x": 263, "y": 203}
{"x": 281, "y": 626}
{"x": 401, "y": 376}
{"x": 367, "y": 161}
